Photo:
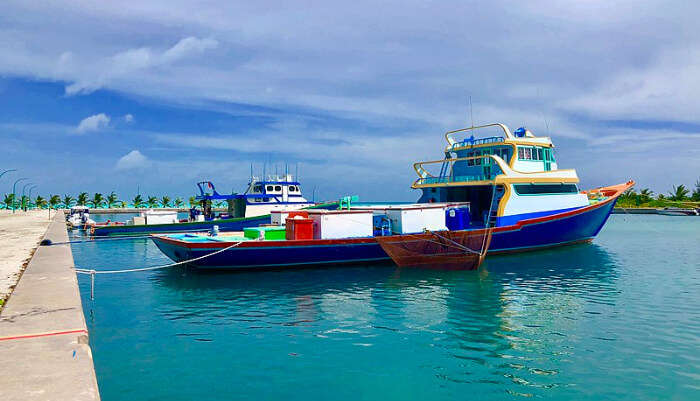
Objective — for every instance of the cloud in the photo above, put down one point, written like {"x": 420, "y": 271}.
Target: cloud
{"x": 123, "y": 64}
{"x": 132, "y": 160}
{"x": 93, "y": 123}
{"x": 128, "y": 118}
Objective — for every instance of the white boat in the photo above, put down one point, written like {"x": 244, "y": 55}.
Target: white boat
{"x": 79, "y": 217}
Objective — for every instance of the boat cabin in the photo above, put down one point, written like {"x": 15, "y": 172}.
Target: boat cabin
{"x": 505, "y": 177}
{"x": 275, "y": 192}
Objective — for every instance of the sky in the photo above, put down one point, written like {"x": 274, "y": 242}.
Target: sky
{"x": 152, "y": 97}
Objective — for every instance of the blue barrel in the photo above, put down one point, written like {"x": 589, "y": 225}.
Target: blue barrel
{"x": 457, "y": 218}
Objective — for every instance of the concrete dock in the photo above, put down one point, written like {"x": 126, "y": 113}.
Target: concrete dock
{"x": 20, "y": 234}
{"x": 43, "y": 336}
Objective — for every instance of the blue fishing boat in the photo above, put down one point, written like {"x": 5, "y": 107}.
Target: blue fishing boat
{"x": 249, "y": 209}
{"x": 509, "y": 185}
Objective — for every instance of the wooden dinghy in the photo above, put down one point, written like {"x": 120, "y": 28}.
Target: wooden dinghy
{"x": 455, "y": 250}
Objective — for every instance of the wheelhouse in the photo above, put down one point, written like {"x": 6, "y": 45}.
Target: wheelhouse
{"x": 498, "y": 175}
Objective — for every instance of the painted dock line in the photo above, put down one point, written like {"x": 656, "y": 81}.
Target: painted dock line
{"x": 45, "y": 349}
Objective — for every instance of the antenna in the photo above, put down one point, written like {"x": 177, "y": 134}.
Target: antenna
{"x": 296, "y": 171}
{"x": 471, "y": 112}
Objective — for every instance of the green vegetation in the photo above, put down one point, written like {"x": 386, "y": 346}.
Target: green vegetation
{"x": 97, "y": 201}
{"x": 679, "y": 196}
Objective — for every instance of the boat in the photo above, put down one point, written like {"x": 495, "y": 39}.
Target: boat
{"x": 677, "y": 211}
{"x": 511, "y": 182}
{"x": 250, "y": 209}
{"x": 78, "y": 218}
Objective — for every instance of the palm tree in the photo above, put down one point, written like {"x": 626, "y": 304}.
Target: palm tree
{"x": 696, "y": 193}
{"x": 112, "y": 199}
{"x": 97, "y": 200}
{"x": 165, "y": 201}
{"x": 192, "y": 201}
{"x": 122, "y": 204}
{"x": 645, "y": 195}
{"x": 54, "y": 201}
{"x": 178, "y": 202}
{"x": 137, "y": 201}
{"x": 23, "y": 202}
{"x": 40, "y": 202}
{"x": 679, "y": 193}
{"x": 9, "y": 200}
{"x": 68, "y": 201}
{"x": 152, "y": 202}
{"x": 82, "y": 199}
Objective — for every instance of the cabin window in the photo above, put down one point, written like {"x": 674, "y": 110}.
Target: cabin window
{"x": 278, "y": 188}
{"x": 470, "y": 162}
{"x": 268, "y": 188}
{"x": 541, "y": 189}
{"x": 539, "y": 154}
{"x": 265, "y": 199}
{"x": 292, "y": 188}
{"x": 521, "y": 153}
{"x": 477, "y": 161}
{"x": 257, "y": 188}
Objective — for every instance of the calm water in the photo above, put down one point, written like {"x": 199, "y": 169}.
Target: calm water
{"x": 617, "y": 319}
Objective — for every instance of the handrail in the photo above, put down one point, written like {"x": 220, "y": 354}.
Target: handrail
{"x": 451, "y": 141}
{"x": 423, "y": 174}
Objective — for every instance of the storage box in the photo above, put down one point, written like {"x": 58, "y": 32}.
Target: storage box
{"x": 330, "y": 224}
{"x": 417, "y": 218}
{"x": 268, "y": 233}
{"x": 278, "y": 217}
{"x": 299, "y": 228}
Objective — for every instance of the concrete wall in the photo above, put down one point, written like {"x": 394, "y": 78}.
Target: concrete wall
{"x": 41, "y": 364}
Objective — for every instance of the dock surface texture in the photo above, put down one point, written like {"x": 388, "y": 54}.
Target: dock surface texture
{"x": 44, "y": 347}
{"x": 20, "y": 234}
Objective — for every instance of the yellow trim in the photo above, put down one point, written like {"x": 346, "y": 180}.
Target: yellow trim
{"x": 504, "y": 200}
{"x": 534, "y": 179}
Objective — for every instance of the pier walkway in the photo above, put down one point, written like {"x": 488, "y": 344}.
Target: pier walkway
{"x": 20, "y": 234}
{"x": 44, "y": 347}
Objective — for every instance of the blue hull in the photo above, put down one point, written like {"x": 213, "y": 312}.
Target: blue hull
{"x": 561, "y": 229}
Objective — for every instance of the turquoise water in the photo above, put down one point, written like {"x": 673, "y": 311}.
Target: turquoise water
{"x": 616, "y": 319}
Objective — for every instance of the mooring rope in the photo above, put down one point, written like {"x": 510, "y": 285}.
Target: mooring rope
{"x": 93, "y": 272}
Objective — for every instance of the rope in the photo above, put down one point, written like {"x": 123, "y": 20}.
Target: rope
{"x": 93, "y": 271}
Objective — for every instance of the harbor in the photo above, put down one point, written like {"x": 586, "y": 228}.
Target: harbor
{"x": 396, "y": 201}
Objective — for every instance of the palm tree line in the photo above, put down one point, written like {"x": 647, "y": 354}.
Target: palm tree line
{"x": 96, "y": 201}
{"x": 678, "y": 196}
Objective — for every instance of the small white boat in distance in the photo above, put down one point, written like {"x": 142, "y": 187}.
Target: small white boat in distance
{"x": 79, "y": 218}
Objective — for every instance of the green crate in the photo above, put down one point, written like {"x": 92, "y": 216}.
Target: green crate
{"x": 271, "y": 233}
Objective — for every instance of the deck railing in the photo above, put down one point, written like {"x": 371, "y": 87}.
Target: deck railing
{"x": 474, "y": 142}
{"x": 451, "y": 141}
{"x": 486, "y": 168}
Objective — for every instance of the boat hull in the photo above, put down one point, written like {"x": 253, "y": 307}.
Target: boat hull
{"x": 570, "y": 227}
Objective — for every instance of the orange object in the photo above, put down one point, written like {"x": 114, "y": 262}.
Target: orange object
{"x": 299, "y": 228}
{"x": 298, "y": 213}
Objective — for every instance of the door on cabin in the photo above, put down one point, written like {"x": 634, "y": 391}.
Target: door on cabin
{"x": 547, "y": 159}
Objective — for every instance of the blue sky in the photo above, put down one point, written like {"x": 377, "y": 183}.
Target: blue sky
{"x": 158, "y": 95}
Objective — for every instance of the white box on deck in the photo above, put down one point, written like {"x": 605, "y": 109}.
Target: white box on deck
{"x": 278, "y": 217}
{"x": 407, "y": 219}
{"x": 330, "y": 224}
{"x": 160, "y": 217}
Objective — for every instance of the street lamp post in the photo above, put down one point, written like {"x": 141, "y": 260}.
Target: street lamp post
{"x": 14, "y": 187}
{"x": 30, "y": 194}
{"x": 7, "y": 171}
{"x": 24, "y": 207}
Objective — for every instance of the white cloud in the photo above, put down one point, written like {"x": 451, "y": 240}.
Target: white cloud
{"x": 132, "y": 160}
{"x": 93, "y": 123}
{"x": 128, "y": 118}
{"x": 123, "y": 64}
